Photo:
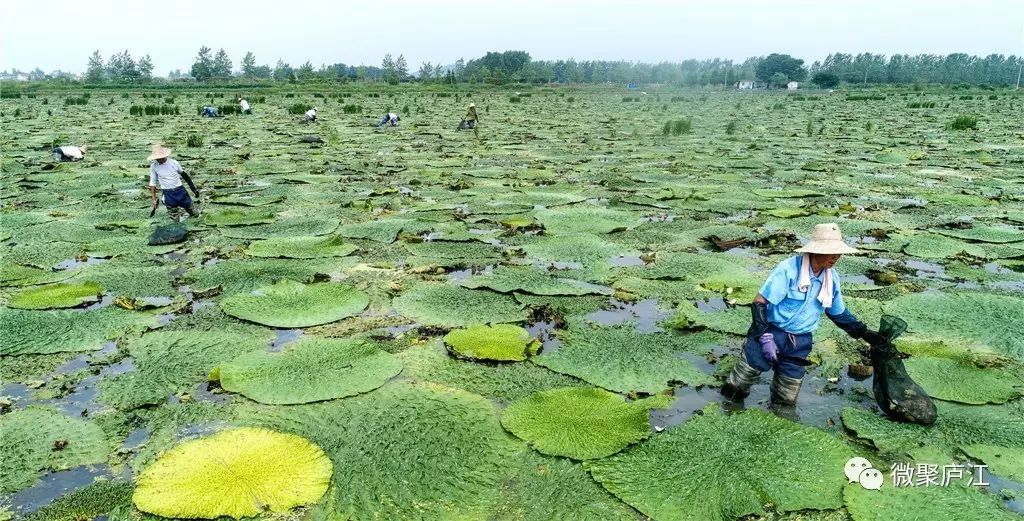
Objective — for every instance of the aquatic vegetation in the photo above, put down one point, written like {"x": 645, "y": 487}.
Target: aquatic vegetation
{"x": 99, "y": 498}
{"x": 293, "y": 304}
{"x": 992, "y": 320}
{"x": 453, "y": 306}
{"x": 60, "y": 295}
{"x": 37, "y": 439}
{"x": 301, "y": 247}
{"x": 44, "y": 332}
{"x": 309, "y": 370}
{"x": 498, "y": 342}
{"x": 238, "y": 472}
{"x": 623, "y": 360}
{"x": 580, "y": 423}
{"x": 699, "y": 470}
{"x": 910, "y": 503}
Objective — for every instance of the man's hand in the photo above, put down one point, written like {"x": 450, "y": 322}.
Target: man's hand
{"x": 768, "y": 347}
{"x": 874, "y": 338}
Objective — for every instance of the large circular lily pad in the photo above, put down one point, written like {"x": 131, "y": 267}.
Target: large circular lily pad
{"x": 451, "y": 306}
{"x": 500, "y": 342}
{"x": 994, "y": 320}
{"x": 579, "y": 422}
{"x": 60, "y": 295}
{"x": 312, "y": 247}
{"x": 719, "y": 466}
{"x": 310, "y": 370}
{"x": 29, "y": 439}
{"x": 290, "y": 304}
{"x": 237, "y": 473}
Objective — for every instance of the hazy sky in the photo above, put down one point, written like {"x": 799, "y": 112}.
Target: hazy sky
{"x": 62, "y": 33}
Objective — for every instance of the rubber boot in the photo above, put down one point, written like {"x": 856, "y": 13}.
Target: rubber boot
{"x": 740, "y": 379}
{"x": 785, "y": 389}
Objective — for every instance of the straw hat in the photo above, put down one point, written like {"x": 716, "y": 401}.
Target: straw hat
{"x": 826, "y": 239}
{"x": 159, "y": 152}
{"x": 471, "y": 105}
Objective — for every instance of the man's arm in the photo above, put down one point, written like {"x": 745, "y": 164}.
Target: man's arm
{"x": 152, "y": 192}
{"x": 188, "y": 180}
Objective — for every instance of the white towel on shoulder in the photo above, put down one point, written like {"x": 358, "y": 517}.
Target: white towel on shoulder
{"x": 804, "y": 282}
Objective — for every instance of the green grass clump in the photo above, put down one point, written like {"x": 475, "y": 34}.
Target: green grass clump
{"x": 921, "y": 105}
{"x": 865, "y": 97}
{"x": 80, "y": 100}
{"x": 194, "y": 140}
{"x": 677, "y": 127}
{"x": 514, "y": 99}
{"x": 963, "y": 122}
{"x": 298, "y": 108}
{"x": 351, "y": 109}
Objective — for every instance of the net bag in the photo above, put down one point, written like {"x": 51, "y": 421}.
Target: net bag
{"x": 168, "y": 234}
{"x": 898, "y": 395}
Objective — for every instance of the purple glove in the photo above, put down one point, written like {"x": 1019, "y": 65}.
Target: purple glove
{"x": 768, "y": 347}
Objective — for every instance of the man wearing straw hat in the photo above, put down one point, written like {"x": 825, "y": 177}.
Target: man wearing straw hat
{"x": 785, "y": 314}
{"x": 470, "y": 119}
{"x": 166, "y": 173}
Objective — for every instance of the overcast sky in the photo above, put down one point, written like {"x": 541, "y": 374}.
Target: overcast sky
{"x": 62, "y": 33}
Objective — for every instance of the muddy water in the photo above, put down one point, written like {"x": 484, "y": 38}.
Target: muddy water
{"x": 644, "y": 315}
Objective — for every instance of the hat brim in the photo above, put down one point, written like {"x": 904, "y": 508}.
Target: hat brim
{"x": 159, "y": 155}
{"x": 827, "y": 248}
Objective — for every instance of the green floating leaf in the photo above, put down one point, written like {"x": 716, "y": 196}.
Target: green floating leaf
{"x": 735, "y": 321}
{"x": 719, "y": 467}
{"x": 983, "y": 233}
{"x": 622, "y": 360}
{"x": 957, "y": 425}
{"x": 501, "y": 382}
{"x": 962, "y": 381}
{"x": 586, "y": 249}
{"x": 313, "y": 247}
{"x": 90, "y": 502}
{"x": 443, "y": 445}
{"x": 499, "y": 342}
{"x": 992, "y": 320}
{"x": 292, "y": 227}
{"x": 119, "y": 246}
{"x": 915, "y": 503}
{"x": 238, "y": 473}
{"x": 543, "y": 487}
{"x": 1004, "y": 462}
{"x": 29, "y": 440}
{"x": 453, "y": 306}
{"x": 528, "y": 279}
{"x": 787, "y": 213}
{"x": 44, "y": 332}
{"x": 584, "y": 218}
{"x": 290, "y": 304}
{"x": 233, "y": 217}
{"x": 60, "y": 295}
{"x": 580, "y": 423}
{"x": 384, "y": 230}
{"x": 786, "y": 193}
{"x": 309, "y": 370}
{"x": 169, "y": 362}
{"x": 453, "y": 250}
{"x": 19, "y": 275}
{"x": 933, "y": 246}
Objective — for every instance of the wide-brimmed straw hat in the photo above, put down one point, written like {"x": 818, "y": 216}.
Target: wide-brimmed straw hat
{"x": 159, "y": 152}
{"x": 826, "y": 239}
{"x": 472, "y": 105}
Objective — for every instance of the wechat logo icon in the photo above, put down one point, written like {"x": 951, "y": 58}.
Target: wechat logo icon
{"x": 860, "y": 470}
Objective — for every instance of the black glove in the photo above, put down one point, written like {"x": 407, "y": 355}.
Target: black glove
{"x": 188, "y": 180}
{"x": 759, "y": 314}
{"x": 874, "y": 338}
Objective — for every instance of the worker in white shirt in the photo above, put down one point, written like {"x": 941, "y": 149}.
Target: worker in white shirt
{"x": 390, "y": 119}
{"x": 244, "y": 105}
{"x": 310, "y": 116}
{"x": 166, "y": 174}
{"x": 69, "y": 153}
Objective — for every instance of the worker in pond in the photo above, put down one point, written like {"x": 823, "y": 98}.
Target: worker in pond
{"x": 244, "y": 106}
{"x": 470, "y": 119}
{"x": 390, "y": 119}
{"x": 786, "y": 313}
{"x": 310, "y": 116}
{"x": 68, "y": 153}
{"x": 166, "y": 174}
{"x": 210, "y": 111}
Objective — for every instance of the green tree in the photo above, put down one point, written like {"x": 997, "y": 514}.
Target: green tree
{"x": 792, "y": 67}
{"x": 387, "y": 67}
{"x": 221, "y": 65}
{"x": 95, "y": 72}
{"x": 283, "y": 71}
{"x": 306, "y": 71}
{"x": 825, "y": 80}
{"x": 145, "y": 67}
{"x": 402, "y": 68}
{"x": 249, "y": 65}
{"x": 121, "y": 67}
{"x": 778, "y": 79}
{"x": 426, "y": 72}
{"x": 202, "y": 69}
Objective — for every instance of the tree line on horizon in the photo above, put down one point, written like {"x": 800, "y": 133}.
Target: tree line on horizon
{"x": 516, "y": 66}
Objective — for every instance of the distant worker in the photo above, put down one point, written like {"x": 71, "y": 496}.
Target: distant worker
{"x": 310, "y": 116}
{"x": 244, "y": 106}
{"x": 166, "y": 173}
{"x": 390, "y": 119}
{"x": 210, "y": 111}
{"x": 470, "y": 119}
{"x": 69, "y": 153}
